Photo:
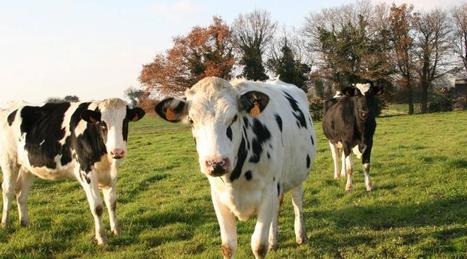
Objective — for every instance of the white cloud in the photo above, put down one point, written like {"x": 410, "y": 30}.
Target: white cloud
{"x": 176, "y": 9}
{"x": 425, "y": 4}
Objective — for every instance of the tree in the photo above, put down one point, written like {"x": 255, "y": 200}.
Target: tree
{"x": 203, "y": 52}
{"x": 459, "y": 16}
{"x": 71, "y": 98}
{"x": 252, "y": 33}
{"x": 289, "y": 69}
{"x": 432, "y": 46}
{"x": 134, "y": 94}
{"x": 401, "y": 31}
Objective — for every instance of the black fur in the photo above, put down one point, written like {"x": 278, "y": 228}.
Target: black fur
{"x": 241, "y": 157}
{"x": 261, "y": 135}
{"x": 279, "y": 121}
{"x": 11, "y": 117}
{"x": 308, "y": 161}
{"x": 248, "y": 175}
{"x": 229, "y": 133}
{"x": 297, "y": 113}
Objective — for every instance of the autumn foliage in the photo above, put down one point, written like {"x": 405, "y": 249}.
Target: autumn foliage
{"x": 203, "y": 52}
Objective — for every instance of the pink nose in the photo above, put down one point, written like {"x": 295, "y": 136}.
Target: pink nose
{"x": 117, "y": 153}
{"x": 217, "y": 167}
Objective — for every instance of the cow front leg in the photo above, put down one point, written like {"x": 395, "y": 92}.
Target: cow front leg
{"x": 274, "y": 231}
{"x": 23, "y": 185}
{"x": 343, "y": 165}
{"x": 227, "y": 225}
{"x": 349, "y": 171}
{"x": 110, "y": 199}
{"x": 335, "y": 159}
{"x": 299, "y": 224}
{"x": 366, "y": 171}
{"x": 89, "y": 183}
{"x": 266, "y": 210}
{"x": 10, "y": 175}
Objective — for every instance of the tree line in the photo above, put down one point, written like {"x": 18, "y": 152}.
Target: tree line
{"x": 396, "y": 45}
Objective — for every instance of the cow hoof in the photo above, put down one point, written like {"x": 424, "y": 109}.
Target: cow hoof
{"x": 117, "y": 231}
{"x": 260, "y": 252}
{"x": 24, "y": 222}
{"x": 273, "y": 247}
{"x": 4, "y": 225}
{"x": 303, "y": 239}
{"x": 336, "y": 176}
{"x": 348, "y": 188}
{"x": 227, "y": 251}
{"x": 100, "y": 241}
{"x": 369, "y": 188}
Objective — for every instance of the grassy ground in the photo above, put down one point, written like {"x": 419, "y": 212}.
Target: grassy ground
{"x": 418, "y": 207}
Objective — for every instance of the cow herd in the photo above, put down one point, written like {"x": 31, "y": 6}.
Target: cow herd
{"x": 255, "y": 142}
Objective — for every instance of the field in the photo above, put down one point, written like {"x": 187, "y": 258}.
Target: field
{"x": 418, "y": 207}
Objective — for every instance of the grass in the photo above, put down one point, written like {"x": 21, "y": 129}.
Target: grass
{"x": 418, "y": 207}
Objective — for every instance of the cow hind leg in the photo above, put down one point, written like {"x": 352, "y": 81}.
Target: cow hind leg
{"x": 335, "y": 159}
{"x": 343, "y": 161}
{"x": 274, "y": 231}
{"x": 95, "y": 204}
{"x": 366, "y": 171}
{"x": 23, "y": 186}
{"x": 10, "y": 175}
{"x": 349, "y": 171}
{"x": 110, "y": 199}
{"x": 299, "y": 224}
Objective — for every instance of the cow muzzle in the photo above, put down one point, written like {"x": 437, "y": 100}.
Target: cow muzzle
{"x": 217, "y": 167}
{"x": 117, "y": 153}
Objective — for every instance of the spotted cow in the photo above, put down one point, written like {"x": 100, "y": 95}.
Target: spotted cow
{"x": 255, "y": 141}
{"x": 84, "y": 141}
{"x": 349, "y": 124}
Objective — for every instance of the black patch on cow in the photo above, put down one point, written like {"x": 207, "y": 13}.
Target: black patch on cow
{"x": 229, "y": 133}
{"x": 43, "y": 128}
{"x": 247, "y": 142}
{"x": 298, "y": 114}
{"x": 279, "y": 121}
{"x": 308, "y": 161}
{"x": 261, "y": 135}
{"x": 273, "y": 179}
{"x": 99, "y": 210}
{"x": 125, "y": 129}
{"x": 312, "y": 140}
{"x": 11, "y": 117}
{"x": 269, "y": 156}
{"x": 248, "y": 175}
{"x": 278, "y": 189}
{"x": 241, "y": 156}
{"x": 234, "y": 119}
{"x": 246, "y": 122}
{"x": 194, "y": 139}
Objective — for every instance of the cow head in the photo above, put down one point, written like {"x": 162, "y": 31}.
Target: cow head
{"x": 215, "y": 111}
{"x": 363, "y": 97}
{"x": 111, "y": 117}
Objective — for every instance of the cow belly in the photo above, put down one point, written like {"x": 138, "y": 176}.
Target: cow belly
{"x": 52, "y": 174}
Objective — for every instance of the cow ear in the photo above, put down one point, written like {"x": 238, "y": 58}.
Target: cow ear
{"x": 134, "y": 114}
{"x": 91, "y": 116}
{"x": 253, "y": 102}
{"x": 172, "y": 109}
{"x": 350, "y": 91}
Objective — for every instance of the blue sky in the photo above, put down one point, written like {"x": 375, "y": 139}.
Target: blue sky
{"x": 95, "y": 49}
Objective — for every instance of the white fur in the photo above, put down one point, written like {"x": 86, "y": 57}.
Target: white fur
{"x": 212, "y": 106}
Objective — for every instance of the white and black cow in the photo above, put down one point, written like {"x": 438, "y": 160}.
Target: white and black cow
{"x": 255, "y": 141}
{"x": 349, "y": 124}
{"x": 85, "y": 141}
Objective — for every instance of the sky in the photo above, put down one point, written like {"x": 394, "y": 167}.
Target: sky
{"x": 96, "y": 49}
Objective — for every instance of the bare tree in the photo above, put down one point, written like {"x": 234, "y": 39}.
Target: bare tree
{"x": 459, "y": 16}
{"x": 134, "y": 94}
{"x": 252, "y": 33}
{"x": 432, "y": 47}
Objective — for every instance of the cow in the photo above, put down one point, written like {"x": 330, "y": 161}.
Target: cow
{"x": 255, "y": 141}
{"x": 349, "y": 124}
{"x": 85, "y": 141}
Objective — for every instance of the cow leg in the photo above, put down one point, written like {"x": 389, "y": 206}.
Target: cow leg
{"x": 110, "y": 199}
{"x": 23, "y": 185}
{"x": 95, "y": 203}
{"x": 268, "y": 207}
{"x": 228, "y": 227}
{"x": 349, "y": 171}
{"x": 274, "y": 231}
{"x": 10, "y": 175}
{"x": 299, "y": 224}
{"x": 366, "y": 165}
{"x": 343, "y": 166}
{"x": 335, "y": 159}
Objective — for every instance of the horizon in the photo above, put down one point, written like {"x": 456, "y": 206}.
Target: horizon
{"x": 97, "y": 50}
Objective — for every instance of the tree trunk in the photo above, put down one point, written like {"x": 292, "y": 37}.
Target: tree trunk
{"x": 410, "y": 95}
{"x": 424, "y": 99}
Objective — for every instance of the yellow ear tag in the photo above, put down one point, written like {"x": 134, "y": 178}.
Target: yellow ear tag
{"x": 170, "y": 115}
{"x": 255, "y": 111}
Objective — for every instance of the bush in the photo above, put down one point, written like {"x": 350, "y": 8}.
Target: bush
{"x": 440, "y": 102}
{"x": 459, "y": 103}
{"x": 316, "y": 108}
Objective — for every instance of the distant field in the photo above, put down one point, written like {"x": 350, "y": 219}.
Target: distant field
{"x": 418, "y": 207}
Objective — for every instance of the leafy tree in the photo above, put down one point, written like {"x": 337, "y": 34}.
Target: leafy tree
{"x": 252, "y": 33}
{"x": 203, "y": 52}
{"x": 288, "y": 68}
{"x": 134, "y": 94}
{"x": 71, "y": 98}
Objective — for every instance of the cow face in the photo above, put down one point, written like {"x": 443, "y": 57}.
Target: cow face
{"x": 363, "y": 97}
{"x": 111, "y": 118}
{"x": 215, "y": 111}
